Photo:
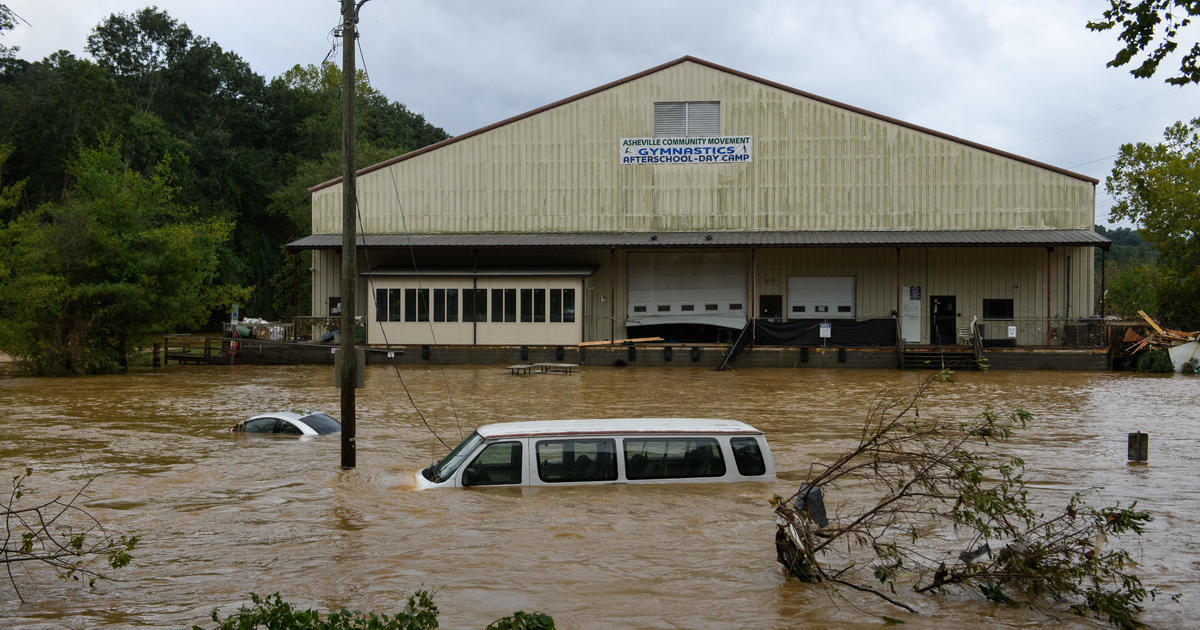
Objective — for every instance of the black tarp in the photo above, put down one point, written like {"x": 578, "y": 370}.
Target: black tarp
{"x": 807, "y": 332}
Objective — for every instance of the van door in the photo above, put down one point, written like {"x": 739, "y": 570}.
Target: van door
{"x": 499, "y": 463}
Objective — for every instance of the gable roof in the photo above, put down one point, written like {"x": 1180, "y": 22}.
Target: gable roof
{"x": 738, "y": 73}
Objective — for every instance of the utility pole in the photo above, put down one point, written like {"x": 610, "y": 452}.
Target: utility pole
{"x": 348, "y": 365}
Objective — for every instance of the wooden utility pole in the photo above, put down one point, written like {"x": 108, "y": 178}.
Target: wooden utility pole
{"x": 348, "y": 366}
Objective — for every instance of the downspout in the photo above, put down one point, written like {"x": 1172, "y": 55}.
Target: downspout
{"x": 474, "y": 296}
{"x": 753, "y": 296}
{"x": 612, "y": 295}
{"x": 1103, "y": 294}
{"x": 1049, "y": 252}
{"x": 898, "y": 338}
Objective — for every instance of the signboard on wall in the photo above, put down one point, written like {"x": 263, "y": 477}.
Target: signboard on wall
{"x": 713, "y": 150}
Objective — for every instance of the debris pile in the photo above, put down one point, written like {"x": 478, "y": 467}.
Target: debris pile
{"x": 1160, "y": 339}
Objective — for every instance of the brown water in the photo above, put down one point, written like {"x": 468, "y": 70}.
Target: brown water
{"x": 222, "y": 515}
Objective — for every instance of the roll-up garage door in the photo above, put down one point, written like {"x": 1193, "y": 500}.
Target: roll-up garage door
{"x": 687, "y": 288}
{"x": 821, "y": 297}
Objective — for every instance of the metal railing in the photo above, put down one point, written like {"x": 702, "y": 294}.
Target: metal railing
{"x": 1060, "y": 332}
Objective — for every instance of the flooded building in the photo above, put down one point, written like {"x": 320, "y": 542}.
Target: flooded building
{"x": 690, "y": 199}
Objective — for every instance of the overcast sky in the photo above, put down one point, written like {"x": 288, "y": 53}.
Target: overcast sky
{"x": 1024, "y": 76}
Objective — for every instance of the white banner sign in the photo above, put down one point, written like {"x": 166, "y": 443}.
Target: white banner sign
{"x": 724, "y": 150}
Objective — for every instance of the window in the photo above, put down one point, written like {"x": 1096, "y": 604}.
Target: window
{"x": 664, "y": 308}
{"x": 394, "y": 312}
{"x": 381, "y": 314}
{"x": 539, "y": 305}
{"x": 504, "y": 305}
{"x": 798, "y": 308}
{"x": 998, "y": 309}
{"x": 735, "y": 306}
{"x": 497, "y": 464}
{"x": 748, "y": 457}
{"x": 639, "y": 309}
{"x": 669, "y": 458}
{"x": 844, "y": 309}
{"x": 688, "y": 307}
{"x": 577, "y": 460}
{"x": 711, "y": 307}
{"x": 688, "y": 119}
{"x": 416, "y": 305}
{"x": 445, "y": 305}
{"x": 387, "y": 305}
{"x": 526, "y": 305}
{"x": 474, "y": 305}
{"x": 261, "y": 425}
{"x": 562, "y": 305}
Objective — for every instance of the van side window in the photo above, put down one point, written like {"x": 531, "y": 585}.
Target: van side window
{"x": 671, "y": 458}
{"x": 577, "y": 460}
{"x": 497, "y": 464}
{"x": 748, "y": 457}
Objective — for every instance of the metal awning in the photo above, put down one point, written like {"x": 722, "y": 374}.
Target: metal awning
{"x": 846, "y": 238}
{"x": 522, "y": 272}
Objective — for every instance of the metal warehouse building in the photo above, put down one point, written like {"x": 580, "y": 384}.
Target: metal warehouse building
{"x": 690, "y": 199}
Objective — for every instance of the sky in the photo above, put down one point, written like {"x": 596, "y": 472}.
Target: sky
{"x": 1024, "y": 76}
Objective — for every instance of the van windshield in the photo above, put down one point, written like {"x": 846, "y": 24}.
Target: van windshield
{"x": 442, "y": 470}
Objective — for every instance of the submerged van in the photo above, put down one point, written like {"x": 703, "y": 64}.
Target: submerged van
{"x": 626, "y": 450}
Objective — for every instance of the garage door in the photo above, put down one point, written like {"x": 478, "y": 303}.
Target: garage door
{"x": 687, "y": 288}
{"x": 821, "y": 297}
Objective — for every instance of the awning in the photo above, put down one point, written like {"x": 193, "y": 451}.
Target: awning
{"x": 649, "y": 240}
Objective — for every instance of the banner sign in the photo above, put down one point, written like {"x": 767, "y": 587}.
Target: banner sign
{"x": 715, "y": 150}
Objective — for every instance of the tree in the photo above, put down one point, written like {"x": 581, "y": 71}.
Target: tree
{"x": 8, "y": 21}
{"x": 1144, "y": 22}
{"x": 1158, "y": 187}
{"x": 85, "y": 282}
{"x": 933, "y": 504}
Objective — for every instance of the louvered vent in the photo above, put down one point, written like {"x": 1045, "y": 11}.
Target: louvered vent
{"x": 688, "y": 119}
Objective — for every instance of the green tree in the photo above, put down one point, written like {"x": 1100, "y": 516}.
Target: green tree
{"x": 85, "y": 282}
{"x": 1152, "y": 22}
{"x": 1158, "y": 187}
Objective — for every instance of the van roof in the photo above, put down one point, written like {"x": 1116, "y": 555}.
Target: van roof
{"x": 614, "y": 425}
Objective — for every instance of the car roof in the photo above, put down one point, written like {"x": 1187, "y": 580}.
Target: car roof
{"x": 285, "y": 415}
{"x": 614, "y": 426}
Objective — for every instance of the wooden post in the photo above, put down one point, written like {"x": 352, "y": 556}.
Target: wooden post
{"x": 157, "y": 362}
{"x": 1139, "y": 447}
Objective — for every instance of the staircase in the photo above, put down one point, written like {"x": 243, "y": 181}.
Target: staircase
{"x": 957, "y": 358}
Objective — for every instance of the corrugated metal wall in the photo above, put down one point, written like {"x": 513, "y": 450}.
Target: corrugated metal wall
{"x": 815, "y": 167}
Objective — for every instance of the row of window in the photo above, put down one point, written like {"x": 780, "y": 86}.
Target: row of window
{"x": 508, "y": 305}
{"x": 595, "y": 459}
{"x": 666, "y": 308}
{"x": 822, "y": 308}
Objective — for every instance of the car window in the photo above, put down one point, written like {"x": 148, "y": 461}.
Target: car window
{"x": 287, "y": 428}
{"x": 497, "y": 464}
{"x": 322, "y": 423}
{"x": 748, "y": 457}
{"x": 577, "y": 460}
{"x": 673, "y": 458}
{"x": 260, "y": 425}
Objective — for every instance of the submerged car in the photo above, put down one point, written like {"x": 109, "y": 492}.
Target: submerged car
{"x": 625, "y": 450}
{"x": 289, "y": 423}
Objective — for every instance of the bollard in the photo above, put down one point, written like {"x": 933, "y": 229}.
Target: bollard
{"x": 695, "y": 354}
{"x": 1139, "y": 447}
{"x": 157, "y": 361}
{"x": 632, "y": 353}
{"x": 524, "y": 353}
{"x": 667, "y": 353}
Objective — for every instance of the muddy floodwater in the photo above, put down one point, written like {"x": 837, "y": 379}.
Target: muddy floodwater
{"x": 222, "y": 515}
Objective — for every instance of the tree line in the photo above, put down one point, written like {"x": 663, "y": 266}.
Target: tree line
{"x": 146, "y": 189}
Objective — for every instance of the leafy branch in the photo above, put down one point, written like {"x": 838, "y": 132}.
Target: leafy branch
{"x": 946, "y": 508}
{"x": 58, "y": 534}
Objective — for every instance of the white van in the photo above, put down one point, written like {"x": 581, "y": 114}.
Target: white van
{"x": 625, "y": 450}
